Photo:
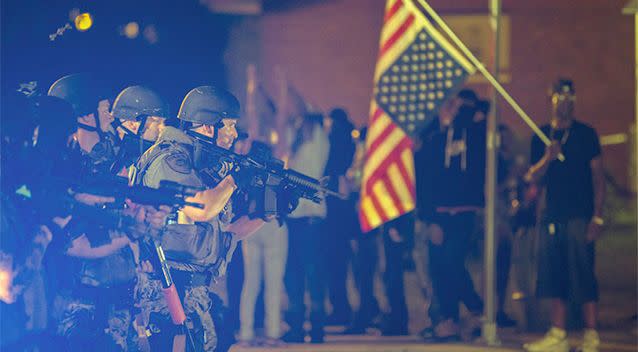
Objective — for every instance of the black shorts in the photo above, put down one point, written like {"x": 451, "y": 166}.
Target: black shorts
{"x": 566, "y": 262}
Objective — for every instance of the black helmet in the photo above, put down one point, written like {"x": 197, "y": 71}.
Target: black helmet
{"x": 136, "y": 101}
{"x": 81, "y": 90}
{"x": 208, "y": 105}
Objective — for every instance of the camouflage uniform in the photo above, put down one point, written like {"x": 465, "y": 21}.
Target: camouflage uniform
{"x": 200, "y": 250}
{"x": 97, "y": 307}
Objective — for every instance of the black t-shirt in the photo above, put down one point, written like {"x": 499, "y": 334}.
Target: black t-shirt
{"x": 569, "y": 185}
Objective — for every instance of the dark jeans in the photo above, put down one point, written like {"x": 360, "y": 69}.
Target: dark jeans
{"x": 393, "y": 280}
{"x": 338, "y": 231}
{"x": 451, "y": 282}
{"x": 305, "y": 266}
{"x": 364, "y": 266}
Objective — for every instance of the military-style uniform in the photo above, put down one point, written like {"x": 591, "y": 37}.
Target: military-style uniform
{"x": 197, "y": 252}
{"x": 96, "y": 304}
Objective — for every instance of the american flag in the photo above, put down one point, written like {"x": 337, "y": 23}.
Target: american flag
{"x": 416, "y": 70}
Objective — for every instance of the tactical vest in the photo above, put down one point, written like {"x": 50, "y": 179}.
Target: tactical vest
{"x": 202, "y": 246}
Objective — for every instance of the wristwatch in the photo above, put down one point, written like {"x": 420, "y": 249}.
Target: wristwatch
{"x": 598, "y": 220}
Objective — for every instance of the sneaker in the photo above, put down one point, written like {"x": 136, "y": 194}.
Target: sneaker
{"x": 247, "y": 343}
{"x": 272, "y": 342}
{"x": 591, "y": 341}
{"x": 554, "y": 341}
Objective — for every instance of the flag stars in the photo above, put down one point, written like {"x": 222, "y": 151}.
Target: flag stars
{"x": 417, "y": 82}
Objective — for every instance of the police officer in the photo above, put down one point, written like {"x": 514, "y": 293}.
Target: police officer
{"x": 139, "y": 114}
{"x": 90, "y": 101}
{"x": 200, "y": 246}
{"x": 87, "y": 261}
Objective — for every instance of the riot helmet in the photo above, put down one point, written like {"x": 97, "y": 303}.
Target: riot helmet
{"x": 208, "y": 105}
{"x": 81, "y": 90}
{"x": 138, "y": 101}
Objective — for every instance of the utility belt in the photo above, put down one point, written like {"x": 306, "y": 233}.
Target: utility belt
{"x": 183, "y": 279}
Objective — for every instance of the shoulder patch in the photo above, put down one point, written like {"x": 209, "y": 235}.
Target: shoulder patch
{"x": 179, "y": 162}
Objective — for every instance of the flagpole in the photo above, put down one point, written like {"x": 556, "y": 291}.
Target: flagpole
{"x": 499, "y": 88}
{"x": 631, "y": 9}
{"x": 489, "y": 333}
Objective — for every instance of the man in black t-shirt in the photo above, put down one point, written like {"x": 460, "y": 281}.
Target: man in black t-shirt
{"x": 571, "y": 221}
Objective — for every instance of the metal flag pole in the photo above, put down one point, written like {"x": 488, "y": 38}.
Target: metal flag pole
{"x": 479, "y": 66}
{"x": 632, "y": 9}
{"x": 489, "y": 324}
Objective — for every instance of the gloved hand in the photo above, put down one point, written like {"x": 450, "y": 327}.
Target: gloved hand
{"x": 246, "y": 178}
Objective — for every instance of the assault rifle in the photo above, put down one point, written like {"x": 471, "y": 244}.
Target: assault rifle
{"x": 267, "y": 170}
{"x": 169, "y": 193}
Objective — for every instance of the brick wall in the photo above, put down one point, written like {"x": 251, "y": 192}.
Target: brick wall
{"x": 328, "y": 51}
